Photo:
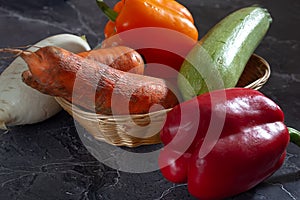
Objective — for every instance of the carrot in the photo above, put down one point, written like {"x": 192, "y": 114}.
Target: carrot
{"x": 93, "y": 85}
{"x": 119, "y": 57}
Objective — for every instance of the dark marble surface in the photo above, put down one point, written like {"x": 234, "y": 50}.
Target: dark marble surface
{"x": 47, "y": 161}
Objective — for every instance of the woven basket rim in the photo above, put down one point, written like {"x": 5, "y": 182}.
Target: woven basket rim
{"x": 267, "y": 73}
{"x": 113, "y": 129}
{"x": 257, "y": 84}
{"x": 65, "y": 103}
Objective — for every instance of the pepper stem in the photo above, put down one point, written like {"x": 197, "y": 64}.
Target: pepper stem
{"x": 294, "y": 136}
{"x": 110, "y": 13}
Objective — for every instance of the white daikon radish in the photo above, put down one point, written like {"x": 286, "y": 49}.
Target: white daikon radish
{"x": 21, "y": 104}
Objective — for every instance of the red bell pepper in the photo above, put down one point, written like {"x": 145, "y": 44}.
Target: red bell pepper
{"x": 223, "y": 143}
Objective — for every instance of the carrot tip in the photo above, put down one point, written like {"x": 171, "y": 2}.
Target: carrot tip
{"x": 17, "y": 52}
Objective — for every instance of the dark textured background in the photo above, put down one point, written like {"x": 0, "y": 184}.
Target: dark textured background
{"x": 47, "y": 161}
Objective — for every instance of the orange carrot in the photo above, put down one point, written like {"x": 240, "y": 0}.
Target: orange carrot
{"x": 93, "y": 85}
{"x": 119, "y": 57}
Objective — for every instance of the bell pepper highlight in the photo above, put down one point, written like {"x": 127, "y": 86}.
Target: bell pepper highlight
{"x": 250, "y": 147}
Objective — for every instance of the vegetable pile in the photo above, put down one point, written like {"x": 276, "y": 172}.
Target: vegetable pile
{"x": 210, "y": 120}
{"x": 94, "y": 85}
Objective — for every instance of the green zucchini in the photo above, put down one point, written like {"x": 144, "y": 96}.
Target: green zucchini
{"x": 219, "y": 58}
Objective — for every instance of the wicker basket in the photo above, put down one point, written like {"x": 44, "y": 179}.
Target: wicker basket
{"x": 136, "y": 130}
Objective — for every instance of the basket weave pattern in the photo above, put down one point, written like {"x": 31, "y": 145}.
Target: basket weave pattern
{"x": 255, "y": 74}
{"x": 136, "y": 130}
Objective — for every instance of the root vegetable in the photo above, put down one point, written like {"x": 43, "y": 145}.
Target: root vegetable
{"x": 98, "y": 87}
{"x": 119, "y": 57}
{"x": 21, "y": 104}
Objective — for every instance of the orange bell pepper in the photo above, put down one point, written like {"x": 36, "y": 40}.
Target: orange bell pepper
{"x": 180, "y": 32}
{"x": 132, "y": 14}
